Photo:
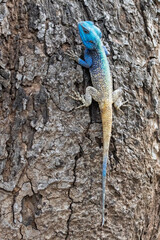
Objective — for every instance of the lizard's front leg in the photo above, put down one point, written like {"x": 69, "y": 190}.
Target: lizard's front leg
{"x": 86, "y": 99}
{"x": 85, "y": 63}
{"x": 116, "y": 99}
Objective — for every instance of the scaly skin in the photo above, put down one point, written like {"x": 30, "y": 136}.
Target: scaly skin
{"x": 96, "y": 60}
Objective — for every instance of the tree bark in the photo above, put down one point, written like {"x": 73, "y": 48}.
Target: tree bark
{"x": 51, "y": 153}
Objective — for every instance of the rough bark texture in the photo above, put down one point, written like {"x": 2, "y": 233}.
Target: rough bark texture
{"x": 50, "y": 153}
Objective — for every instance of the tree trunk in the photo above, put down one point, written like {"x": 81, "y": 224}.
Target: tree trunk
{"x": 51, "y": 152}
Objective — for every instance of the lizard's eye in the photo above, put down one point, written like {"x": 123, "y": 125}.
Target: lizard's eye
{"x": 85, "y": 30}
{"x": 91, "y": 41}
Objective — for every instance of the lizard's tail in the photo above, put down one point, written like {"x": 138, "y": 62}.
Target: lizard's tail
{"x": 106, "y": 114}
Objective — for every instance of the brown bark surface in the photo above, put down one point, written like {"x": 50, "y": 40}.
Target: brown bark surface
{"x": 51, "y": 153}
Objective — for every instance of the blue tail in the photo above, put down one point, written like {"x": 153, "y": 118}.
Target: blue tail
{"x": 105, "y": 158}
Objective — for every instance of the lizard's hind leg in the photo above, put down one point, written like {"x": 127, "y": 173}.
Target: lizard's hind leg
{"x": 86, "y": 99}
{"x": 117, "y": 99}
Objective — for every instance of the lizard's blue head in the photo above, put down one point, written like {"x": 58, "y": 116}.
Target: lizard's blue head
{"x": 90, "y": 34}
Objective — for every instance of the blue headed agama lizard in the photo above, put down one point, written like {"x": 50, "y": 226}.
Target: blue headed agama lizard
{"x": 95, "y": 58}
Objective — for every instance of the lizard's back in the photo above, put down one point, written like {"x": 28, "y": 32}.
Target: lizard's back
{"x": 100, "y": 73}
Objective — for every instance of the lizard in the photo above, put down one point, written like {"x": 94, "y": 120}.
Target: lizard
{"x": 95, "y": 59}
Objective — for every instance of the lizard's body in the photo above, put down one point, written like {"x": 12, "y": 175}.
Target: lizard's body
{"x": 102, "y": 81}
{"x": 96, "y": 60}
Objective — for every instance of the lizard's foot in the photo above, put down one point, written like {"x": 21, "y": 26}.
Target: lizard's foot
{"x": 119, "y": 103}
{"x": 80, "y": 98}
{"x": 72, "y": 55}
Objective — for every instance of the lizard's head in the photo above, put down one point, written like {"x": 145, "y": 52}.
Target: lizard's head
{"x": 90, "y": 34}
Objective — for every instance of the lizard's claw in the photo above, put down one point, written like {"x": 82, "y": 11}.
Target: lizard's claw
{"x": 81, "y": 106}
{"x": 124, "y": 104}
{"x": 72, "y": 55}
{"x": 120, "y": 110}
